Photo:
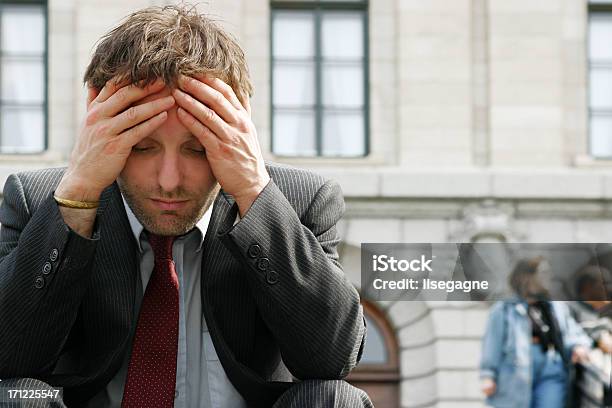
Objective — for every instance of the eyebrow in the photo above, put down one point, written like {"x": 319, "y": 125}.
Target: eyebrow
{"x": 189, "y": 136}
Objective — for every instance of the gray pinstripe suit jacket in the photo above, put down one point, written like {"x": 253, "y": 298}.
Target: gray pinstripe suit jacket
{"x": 66, "y": 302}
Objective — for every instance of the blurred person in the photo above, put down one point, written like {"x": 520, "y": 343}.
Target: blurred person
{"x": 606, "y": 310}
{"x": 592, "y": 288}
{"x": 530, "y": 345}
{"x": 168, "y": 264}
{"x": 592, "y": 299}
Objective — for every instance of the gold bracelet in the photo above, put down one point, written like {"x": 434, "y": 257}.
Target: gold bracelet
{"x": 82, "y": 205}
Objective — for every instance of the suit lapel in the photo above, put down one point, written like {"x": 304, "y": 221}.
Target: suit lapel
{"x": 210, "y": 263}
{"x": 116, "y": 271}
{"x": 120, "y": 242}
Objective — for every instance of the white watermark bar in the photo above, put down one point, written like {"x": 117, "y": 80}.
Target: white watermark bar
{"x": 486, "y": 271}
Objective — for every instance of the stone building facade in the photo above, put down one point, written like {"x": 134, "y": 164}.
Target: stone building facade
{"x": 480, "y": 127}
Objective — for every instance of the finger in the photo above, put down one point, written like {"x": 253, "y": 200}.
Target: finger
{"x": 223, "y": 88}
{"x": 92, "y": 93}
{"x": 202, "y": 113}
{"x": 127, "y": 95}
{"x": 134, "y": 135}
{"x": 211, "y": 97}
{"x": 206, "y": 137}
{"x": 156, "y": 95}
{"x": 110, "y": 87}
{"x": 136, "y": 114}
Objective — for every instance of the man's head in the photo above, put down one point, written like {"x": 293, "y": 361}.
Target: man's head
{"x": 163, "y": 42}
{"x": 167, "y": 180}
{"x": 593, "y": 284}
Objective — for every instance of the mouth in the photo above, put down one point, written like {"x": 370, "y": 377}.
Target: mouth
{"x": 169, "y": 205}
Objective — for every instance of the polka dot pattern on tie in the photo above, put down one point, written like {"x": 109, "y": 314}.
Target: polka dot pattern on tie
{"x": 151, "y": 377}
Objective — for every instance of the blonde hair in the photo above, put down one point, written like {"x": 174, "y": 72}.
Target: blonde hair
{"x": 163, "y": 42}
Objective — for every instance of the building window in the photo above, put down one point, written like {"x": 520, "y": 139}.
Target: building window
{"x": 600, "y": 81}
{"x": 319, "y": 78}
{"x": 23, "y": 54}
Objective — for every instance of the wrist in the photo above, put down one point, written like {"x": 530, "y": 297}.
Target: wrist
{"x": 248, "y": 197}
{"x": 72, "y": 188}
{"x": 81, "y": 205}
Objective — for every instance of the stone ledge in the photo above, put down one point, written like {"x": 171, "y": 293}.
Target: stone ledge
{"x": 573, "y": 184}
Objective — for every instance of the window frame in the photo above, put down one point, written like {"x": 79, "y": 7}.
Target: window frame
{"x": 594, "y": 8}
{"x": 45, "y": 60}
{"x": 317, "y": 7}
{"x": 390, "y": 370}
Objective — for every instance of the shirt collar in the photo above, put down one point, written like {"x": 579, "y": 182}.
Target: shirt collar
{"x": 137, "y": 228}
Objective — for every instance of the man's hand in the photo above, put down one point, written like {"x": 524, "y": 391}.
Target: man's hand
{"x": 210, "y": 109}
{"x": 110, "y": 130}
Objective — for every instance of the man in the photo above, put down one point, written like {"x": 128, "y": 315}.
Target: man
{"x": 168, "y": 265}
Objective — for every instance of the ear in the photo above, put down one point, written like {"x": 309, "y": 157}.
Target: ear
{"x": 92, "y": 93}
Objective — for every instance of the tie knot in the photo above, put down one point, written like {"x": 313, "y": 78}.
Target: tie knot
{"x": 161, "y": 245}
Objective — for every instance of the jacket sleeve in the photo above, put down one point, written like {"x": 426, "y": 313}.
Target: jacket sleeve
{"x": 304, "y": 297}
{"x": 492, "y": 342}
{"x": 44, "y": 269}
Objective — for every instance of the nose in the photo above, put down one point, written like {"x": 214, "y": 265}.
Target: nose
{"x": 169, "y": 175}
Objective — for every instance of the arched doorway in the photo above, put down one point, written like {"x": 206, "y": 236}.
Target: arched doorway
{"x": 378, "y": 371}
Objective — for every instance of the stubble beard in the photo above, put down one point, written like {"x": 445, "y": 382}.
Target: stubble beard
{"x": 173, "y": 223}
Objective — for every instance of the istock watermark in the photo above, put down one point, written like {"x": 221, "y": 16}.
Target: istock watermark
{"x": 480, "y": 271}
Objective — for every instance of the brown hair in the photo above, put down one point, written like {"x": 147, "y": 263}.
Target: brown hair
{"x": 163, "y": 42}
{"x": 593, "y": 282}
{"x": 524, "y": 279}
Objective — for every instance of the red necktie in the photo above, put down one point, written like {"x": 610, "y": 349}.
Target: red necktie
{"x": 151, "y": 377}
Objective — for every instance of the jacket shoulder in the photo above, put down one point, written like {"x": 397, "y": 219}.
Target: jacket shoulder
{"x": 299, "y": 186}
{"x": 38, "y": 184}
{"x": 284, "y": 175}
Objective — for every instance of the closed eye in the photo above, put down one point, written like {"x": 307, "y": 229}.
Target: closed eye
{"x": 195, "y": 149}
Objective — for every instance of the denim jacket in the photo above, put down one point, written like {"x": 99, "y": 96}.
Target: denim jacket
{"x": 506, "y": 349}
